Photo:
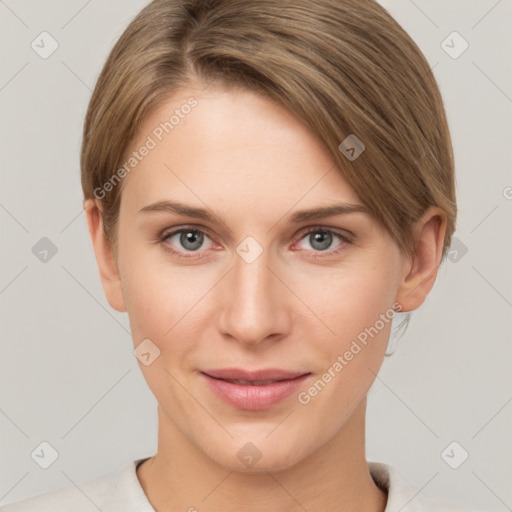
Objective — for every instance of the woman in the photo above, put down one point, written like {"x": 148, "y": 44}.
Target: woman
{"x": 266, "y": 185}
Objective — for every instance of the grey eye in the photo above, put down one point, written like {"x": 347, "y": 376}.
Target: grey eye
{"x": 191, "y": 240}
{"x": 320, "y": 240}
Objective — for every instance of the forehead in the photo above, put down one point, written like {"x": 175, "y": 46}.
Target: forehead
{"x": 223, "y": 143}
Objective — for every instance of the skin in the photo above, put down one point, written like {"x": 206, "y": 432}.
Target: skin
{"x": 254, "y": 164}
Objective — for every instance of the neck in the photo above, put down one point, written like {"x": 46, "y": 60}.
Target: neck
{"x": 334, "y": 477}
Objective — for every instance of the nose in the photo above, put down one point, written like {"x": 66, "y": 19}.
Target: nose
{"x": 256, "y": 304}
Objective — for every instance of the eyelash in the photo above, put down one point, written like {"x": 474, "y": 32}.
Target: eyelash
{"x": 198, "y": 255}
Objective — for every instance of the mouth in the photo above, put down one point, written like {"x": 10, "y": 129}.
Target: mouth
{"x": 253, "y": 390}
{"x": 251, "y": 382}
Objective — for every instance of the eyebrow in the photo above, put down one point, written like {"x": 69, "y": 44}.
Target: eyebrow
{"x": 298, "y": 216}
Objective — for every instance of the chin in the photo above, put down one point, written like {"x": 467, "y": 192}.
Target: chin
{"x": 259, "y": 456}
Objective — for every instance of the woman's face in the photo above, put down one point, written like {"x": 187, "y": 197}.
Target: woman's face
{"x": 239, "y": 282}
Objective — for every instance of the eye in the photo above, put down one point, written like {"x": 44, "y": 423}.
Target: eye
{"x": 192, "y": 242}
{"x": 321, "y": 239}
{"x": 186, "y": 240}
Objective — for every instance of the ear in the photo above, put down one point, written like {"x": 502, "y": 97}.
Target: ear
{"x": 420, "y": 272}
{"x": 105, "y": 259}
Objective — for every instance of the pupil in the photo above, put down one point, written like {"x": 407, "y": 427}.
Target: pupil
{"x": 324, "y": 240}
{"x": 191, "y": 237}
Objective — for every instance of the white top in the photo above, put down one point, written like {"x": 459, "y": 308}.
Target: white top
{"x": 120, "y": 491}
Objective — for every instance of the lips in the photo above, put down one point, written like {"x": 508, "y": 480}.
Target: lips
{"x": 253, "y": 389}
{"x": 253, "y": 376}
{"x": 251, "y": 382}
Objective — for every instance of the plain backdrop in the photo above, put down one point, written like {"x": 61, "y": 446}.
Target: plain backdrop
{"x": 68, "y": 374}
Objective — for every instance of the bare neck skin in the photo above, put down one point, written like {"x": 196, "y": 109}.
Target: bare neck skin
{"x": 335, "y": 477}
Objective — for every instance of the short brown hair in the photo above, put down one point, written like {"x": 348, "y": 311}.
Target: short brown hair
{"x": 342, "y": 67}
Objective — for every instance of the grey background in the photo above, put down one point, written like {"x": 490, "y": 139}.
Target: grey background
{"x": 68, "y": 374}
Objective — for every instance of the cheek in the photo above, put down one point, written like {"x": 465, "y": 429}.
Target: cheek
{"x": 357, "y": 306}
{"x": 353, "y": 299}
{"x": 361, "y": 315}
{"x": 160, "y": 307}
{"x": 163, "y": 300}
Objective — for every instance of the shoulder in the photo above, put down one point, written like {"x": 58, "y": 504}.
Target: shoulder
{"x": 404, "y": 496}
{"x": 111, "y": 492}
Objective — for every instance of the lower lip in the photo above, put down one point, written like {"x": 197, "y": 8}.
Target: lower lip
{"x": 254, "y": 398}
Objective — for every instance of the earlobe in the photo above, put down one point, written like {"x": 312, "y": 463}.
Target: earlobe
{"x": 104, "y": 253}
{"x": 420, "y": 272}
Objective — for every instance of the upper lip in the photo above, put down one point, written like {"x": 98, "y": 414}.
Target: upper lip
{"x": 253, "y": 375}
